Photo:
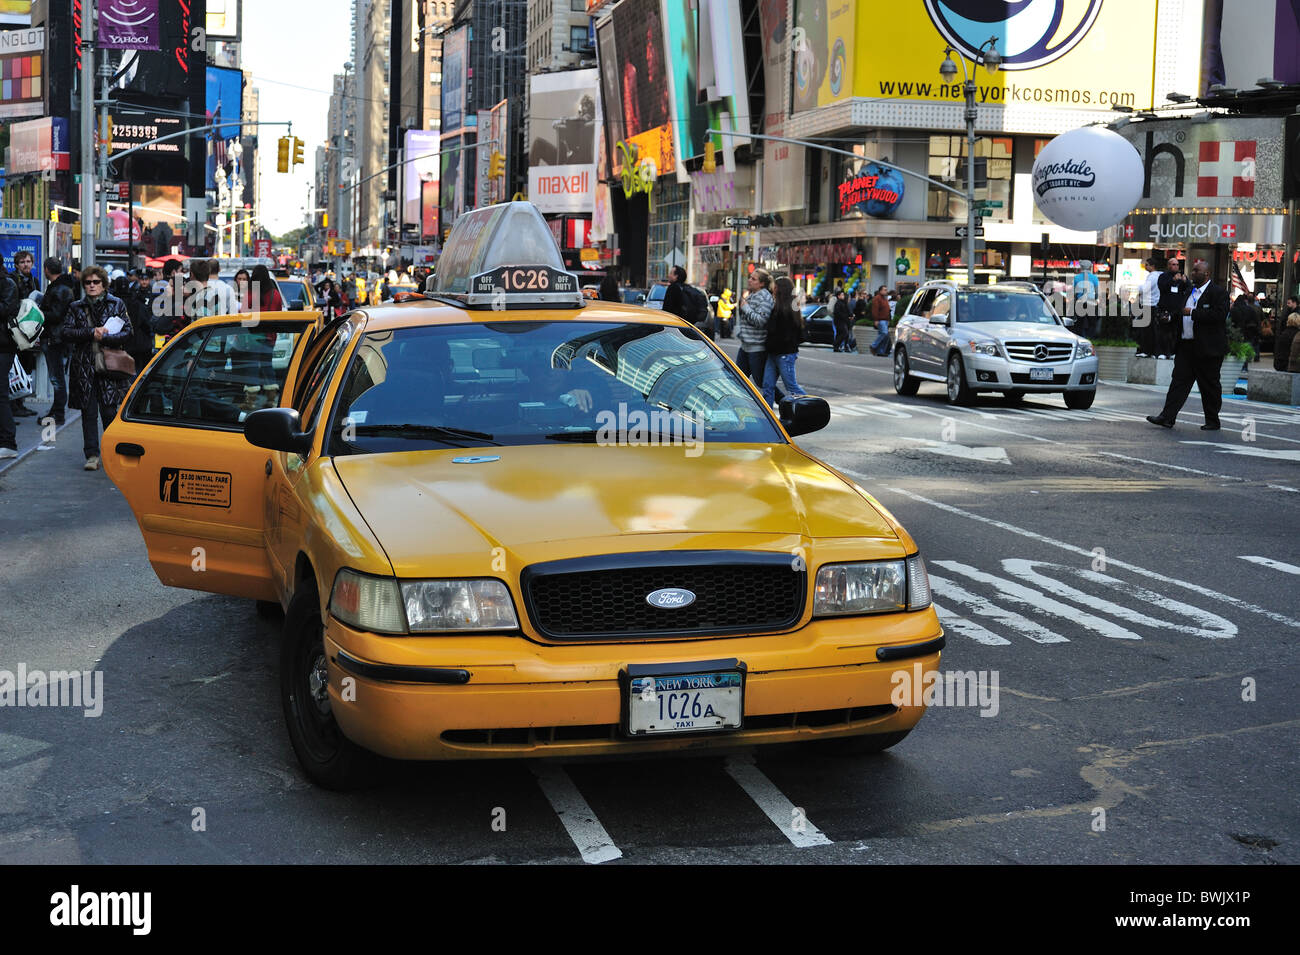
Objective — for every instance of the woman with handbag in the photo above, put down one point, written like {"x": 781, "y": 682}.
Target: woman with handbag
{"x": 96, "y": 331}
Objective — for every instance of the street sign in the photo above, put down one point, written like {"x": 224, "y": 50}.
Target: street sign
{"x": 262, "y": 248}
{"x": 989, "y": 203}
{"x": 979, "y": 221}
{"x": 734, "y": 222}
{"x": 961, "y": 231}
{"x": 124, "y": 191}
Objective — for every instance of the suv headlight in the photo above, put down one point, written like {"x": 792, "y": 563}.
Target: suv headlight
{"x": 1084, "y": 350}
{"x": 984, "y": 348}
{"x": 386, "y": 605}
{"x": 883, "y": 586}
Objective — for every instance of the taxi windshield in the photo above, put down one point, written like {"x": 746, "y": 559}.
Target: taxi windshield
{"x": 512, "y": 383}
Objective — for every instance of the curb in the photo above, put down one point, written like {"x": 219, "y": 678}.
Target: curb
{"x": 24, "y": 455}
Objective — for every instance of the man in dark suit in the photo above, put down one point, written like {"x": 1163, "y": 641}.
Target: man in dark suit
{"x": 1202, "y": 341}
{"x": 1173, "y": 290}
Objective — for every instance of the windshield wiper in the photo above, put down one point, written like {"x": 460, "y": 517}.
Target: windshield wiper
{"x": 435, "y": 431}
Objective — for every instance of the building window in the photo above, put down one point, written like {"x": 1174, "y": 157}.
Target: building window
{"x": 577, "y": 38}
{"x": 578, "y": 6}
{"x": 993, "y": 173}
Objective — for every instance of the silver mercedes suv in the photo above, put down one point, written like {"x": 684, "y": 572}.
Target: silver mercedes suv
{"x": 1005, "y": 338}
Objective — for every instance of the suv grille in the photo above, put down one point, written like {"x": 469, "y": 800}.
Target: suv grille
{"x": 605, "y": 597}
{"x": 1025, "y": 351}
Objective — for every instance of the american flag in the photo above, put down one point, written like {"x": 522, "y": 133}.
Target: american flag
{"x": 1239, "y": 280}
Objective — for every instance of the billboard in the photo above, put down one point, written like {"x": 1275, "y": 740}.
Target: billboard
{"x": 22, "y": 73}
{"x": 128, "y": 25}
{"x": 159, "y": 217}
{"x": 1085, "y": 55}
{"x": 783, "y": 163}
{"x": 164, "y": 72}
{"x": 38, "y": 145}
{"x": 21, "y": 235}
{"x": 451, "y": 179}
{"x": 823, "y": 43}
{"x": 634, "y": 84}
{"x": 225, "y": 100}
{"x": 223, "y": 19}
{"x": 1258, "y": 38}
{"x": 421, "y": 167}
{"x": 454, "y": 60}
{"x": 15, "y": 13}
{"x": 562, "y": 144}
{"x": 706, "y": 67}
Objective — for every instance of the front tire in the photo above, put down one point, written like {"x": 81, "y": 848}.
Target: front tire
{"x": 959, "y": 392}
{"x": 1080, "y": 400}
{"x": 329, "y": 758}
{"x": 904, "y": 383}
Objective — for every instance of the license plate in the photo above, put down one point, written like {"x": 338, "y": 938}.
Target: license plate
{"x": 684, "y": 702}
{"x": 1041, "y": 374}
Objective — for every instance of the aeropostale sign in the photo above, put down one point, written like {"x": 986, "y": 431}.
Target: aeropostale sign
{"x": 570, "y": 188}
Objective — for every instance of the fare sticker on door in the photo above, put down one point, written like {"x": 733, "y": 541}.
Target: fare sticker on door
{"x": 205, "y": 488}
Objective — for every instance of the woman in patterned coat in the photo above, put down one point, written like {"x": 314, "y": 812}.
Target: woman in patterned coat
{"x": 84, "y": 327}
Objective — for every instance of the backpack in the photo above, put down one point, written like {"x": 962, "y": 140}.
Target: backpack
{"x": 697, "y": 306}
{"x": 26, "y": 328}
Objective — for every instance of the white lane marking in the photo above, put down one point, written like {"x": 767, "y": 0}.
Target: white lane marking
{"x": 1282, "y": 487}
{"x": 1211, "y": 625}
{"x": 955, "y": 623}
{"x": 1111, "y": 561}
{"x": 984, "y": 608}
{"x": 1277, "y": 454}
{"x": 985, "y": 455}
{"x": 1018, "y": 593}
{"x": 577, "y": 817}
{"x": 1275, "y": 564}
{"x": 1171, "y": 467}
{"x": 986, "y": 427}
{"x": 784, "y": 814}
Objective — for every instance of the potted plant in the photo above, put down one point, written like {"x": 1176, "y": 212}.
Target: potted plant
{"x": 1113, "y": 355}
{"x": 1240, "y": 354}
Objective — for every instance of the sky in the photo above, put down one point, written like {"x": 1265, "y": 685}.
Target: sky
{"x": 292, "y": 49}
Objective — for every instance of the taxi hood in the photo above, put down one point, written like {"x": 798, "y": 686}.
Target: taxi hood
{"x": 425, "y": 505}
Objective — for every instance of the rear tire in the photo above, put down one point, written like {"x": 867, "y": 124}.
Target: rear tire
{"x": 1080, "y": 400}
{"x": 860, "y": 745}
{"x": 329, "y": 758}
{"x": 958, "y": 390}
{"x": 904, "y": 383}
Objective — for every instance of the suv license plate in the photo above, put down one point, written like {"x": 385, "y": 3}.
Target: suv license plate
{"x": 685, "y": 703}
{"x": 1040, "y": 374}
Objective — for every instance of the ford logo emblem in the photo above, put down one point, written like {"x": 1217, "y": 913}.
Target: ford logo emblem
{"x": 670, "y": 598}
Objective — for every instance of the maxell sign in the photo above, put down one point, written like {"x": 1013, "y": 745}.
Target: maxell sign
{"x": 1226, "y": 164}
{"x": 562, "y": 188}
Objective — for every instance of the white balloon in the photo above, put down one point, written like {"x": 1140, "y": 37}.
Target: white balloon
{"x": 1087, "y": 179}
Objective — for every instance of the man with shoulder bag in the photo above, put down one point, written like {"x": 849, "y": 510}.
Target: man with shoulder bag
{"x": 60, "y": 292}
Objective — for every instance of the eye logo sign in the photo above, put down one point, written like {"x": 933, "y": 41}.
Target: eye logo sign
{"x": 1030, "y": 33}
{"x": 129, "y": 25}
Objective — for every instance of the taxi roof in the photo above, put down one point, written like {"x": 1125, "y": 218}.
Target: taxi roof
{"x": 419, "y": 312}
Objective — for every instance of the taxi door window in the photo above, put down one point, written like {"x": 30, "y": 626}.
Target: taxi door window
{"x": 314, "y": 396}
{"x": 218, "y": 376}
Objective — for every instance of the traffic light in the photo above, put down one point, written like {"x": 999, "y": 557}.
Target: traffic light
{"x": 710, "y": 157}
{"x": 496, "y": 165}
{"x": 297, "y": 151}
{"x": 282, "y": 155}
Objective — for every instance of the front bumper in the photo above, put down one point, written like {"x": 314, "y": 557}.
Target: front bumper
{"x": 994, "y": 373}
{"x": 507, "y": 697}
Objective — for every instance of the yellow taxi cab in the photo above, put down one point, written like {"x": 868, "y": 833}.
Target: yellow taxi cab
{"x": 504, "y": 521}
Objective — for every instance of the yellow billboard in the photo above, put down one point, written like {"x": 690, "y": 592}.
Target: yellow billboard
{"x": 822, "y": 42}
{"x": 1056, "y": 54}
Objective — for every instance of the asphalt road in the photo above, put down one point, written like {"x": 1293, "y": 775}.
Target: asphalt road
{"x": 1135, "y": 592}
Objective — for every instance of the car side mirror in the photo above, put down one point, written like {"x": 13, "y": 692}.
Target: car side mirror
{"x": 640, "y": 299}
{"x": 804, "y": 415}
{"x": 1068, "y": 321}
{"x": 279, "y": 429}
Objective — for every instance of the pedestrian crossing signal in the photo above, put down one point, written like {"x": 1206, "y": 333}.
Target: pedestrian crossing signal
{"x": 282, "y": 156}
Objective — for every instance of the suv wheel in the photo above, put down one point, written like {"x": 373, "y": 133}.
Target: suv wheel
{"x": 904, "y": 383}
{"x": 959, "y": 392}
{"x": 1080, "y": 400}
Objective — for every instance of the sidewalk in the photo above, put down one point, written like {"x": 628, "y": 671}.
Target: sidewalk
{"x": 29, "y": 433}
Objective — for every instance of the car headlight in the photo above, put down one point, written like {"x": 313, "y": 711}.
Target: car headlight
{"x": 386, "y": 605}
{"x": 984, "y": 348}
{"x": 482, "y": 604}
{"x": 884, "y": 586}
{"x": 1084, "y": 350}
{"x": 367, "y": 603}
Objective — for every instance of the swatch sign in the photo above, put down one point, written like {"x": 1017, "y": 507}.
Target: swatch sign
{"x": 129, "y": 25}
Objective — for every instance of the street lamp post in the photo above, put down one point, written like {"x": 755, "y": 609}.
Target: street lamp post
{"x": 948, "y": 71}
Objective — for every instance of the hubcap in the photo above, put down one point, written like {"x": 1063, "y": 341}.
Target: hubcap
{"x": 954, "y": 379}
{"x": 318, "y": 681}
{"x": 900, "y": 369}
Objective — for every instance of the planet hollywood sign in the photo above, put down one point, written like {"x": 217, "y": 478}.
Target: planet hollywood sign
{"x": 860, "y": 189}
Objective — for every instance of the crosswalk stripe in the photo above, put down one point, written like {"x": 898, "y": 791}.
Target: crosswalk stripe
{"x": 1016, "y": 593}
{"x": 984, "y": 608}
{"x": 1275, "y": 564}
{"x": 577, "y": 817}
{"x": 784, "y": 814}
{"x": 966, "y": 627}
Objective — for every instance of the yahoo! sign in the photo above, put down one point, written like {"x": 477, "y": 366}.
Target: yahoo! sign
{"x": 129, "y": 25}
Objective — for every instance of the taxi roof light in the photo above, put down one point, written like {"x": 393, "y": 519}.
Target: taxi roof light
{"x": 504, "y": 256}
